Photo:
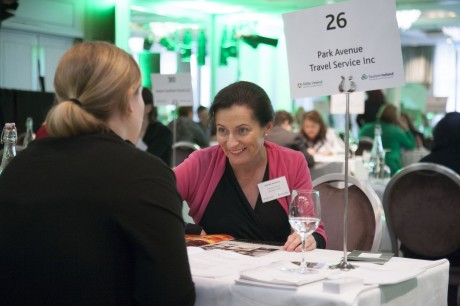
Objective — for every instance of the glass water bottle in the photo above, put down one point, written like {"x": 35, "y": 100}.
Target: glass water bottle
{"x": 30, "y": 135}
{"x": 377, "y": 167}
{"x": 8, "y": 138}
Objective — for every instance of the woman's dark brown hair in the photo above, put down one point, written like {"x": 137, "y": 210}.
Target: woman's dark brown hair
{"x": 316, "y": 117}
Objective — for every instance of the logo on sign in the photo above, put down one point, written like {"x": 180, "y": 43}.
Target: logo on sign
{"x": 307, "y": 84}
{"x": 171, "y": 79}
{"x": 385, "y": 75}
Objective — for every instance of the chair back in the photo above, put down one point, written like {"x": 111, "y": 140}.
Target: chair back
{"x": 364, "y": 218}
{"x": 422, "y": 209}
{"x": 181, "y": 150}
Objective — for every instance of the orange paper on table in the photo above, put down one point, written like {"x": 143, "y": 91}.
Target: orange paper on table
{"x": 199, "y": 240}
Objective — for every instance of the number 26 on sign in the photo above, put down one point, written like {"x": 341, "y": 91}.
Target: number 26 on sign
{"x": 340, "y": 21}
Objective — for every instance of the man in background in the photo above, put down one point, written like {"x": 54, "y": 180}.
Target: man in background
{"x": 282, "y": 135}
{"x": 187, "y": 129}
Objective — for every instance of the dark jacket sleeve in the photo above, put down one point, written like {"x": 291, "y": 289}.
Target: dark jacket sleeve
{"x": 159, "y": 140}
{"x": 155, "y": 228}
{"x": 300, "y": 145}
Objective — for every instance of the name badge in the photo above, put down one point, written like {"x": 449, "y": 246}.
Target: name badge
{"x": 273, "y": 189}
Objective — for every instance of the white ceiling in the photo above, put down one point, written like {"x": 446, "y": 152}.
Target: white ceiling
{"x": 426, "y": 30}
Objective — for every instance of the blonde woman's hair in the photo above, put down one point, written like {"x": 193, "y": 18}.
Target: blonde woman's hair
{"x": 92, "y": 81}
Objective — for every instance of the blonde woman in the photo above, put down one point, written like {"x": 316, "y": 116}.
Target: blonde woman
{"x": 100, "y": 222}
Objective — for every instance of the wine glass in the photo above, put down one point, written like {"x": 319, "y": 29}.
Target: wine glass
{"x": 304, "y": 216}
{"x": 353, "y": 144}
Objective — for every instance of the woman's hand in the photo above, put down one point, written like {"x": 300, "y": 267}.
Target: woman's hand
{"x": 294, "y": 243}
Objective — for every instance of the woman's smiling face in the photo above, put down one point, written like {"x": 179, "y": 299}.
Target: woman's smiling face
{"x": 240, "y": 135}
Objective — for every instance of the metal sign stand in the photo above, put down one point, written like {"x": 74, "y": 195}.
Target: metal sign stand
{"x": 176, "y": 106}
{"x": 347, "y": 87}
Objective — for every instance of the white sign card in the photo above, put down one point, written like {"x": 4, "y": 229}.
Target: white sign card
{"x": 172, "y": 89}
{"x": 351, "y": 44}
{"x": 273, "y": 189}
{"x": 338, "y": 103}
{"x": 436, "y": 104}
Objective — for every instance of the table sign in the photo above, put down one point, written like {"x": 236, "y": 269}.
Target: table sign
{"x": 355, "y": 43}
{"x": 172, "y": 89}
{"x": 343, "y": 48}
{"x": 436, "y": 104}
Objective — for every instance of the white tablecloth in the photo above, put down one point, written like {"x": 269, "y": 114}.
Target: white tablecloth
{"x": 425, "y": 282}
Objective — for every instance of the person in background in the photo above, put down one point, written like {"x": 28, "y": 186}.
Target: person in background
{"x": 445, "y": 151}
{"x": 395, "y": 135}
{"x": 220, "y": 183}
{"x": 375, "y": 99}
{"x": 187, "y": 129}
{"x": 101, "y": 223}
{"x": 419, "y": 138}
{"x": 203, "y": 119}
{"x": 282, "y": 135}
{"x": 446, "y": 143}
{"x": 155, "y": 137}
{"x": 320, "y": 138}
{"x": 41, "y": 132}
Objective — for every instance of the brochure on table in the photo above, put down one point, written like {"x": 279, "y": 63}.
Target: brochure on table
{"x": 172, "y": 89}
{"x": 355, "y": 45}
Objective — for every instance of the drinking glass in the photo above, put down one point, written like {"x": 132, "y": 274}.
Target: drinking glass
{"x": 353, "y": 144}
{"x": 304, "y": 217}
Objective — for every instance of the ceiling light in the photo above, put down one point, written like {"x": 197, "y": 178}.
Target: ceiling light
{"x": 439, "y": 14}
{"x": 406, "y": 18}
{"x": 209, "y": 7}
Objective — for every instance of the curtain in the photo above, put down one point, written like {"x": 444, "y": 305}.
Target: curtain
{"x": 17, "y": 105}
{"x": 418, "y": 64}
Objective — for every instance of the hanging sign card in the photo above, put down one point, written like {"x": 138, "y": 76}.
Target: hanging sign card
{"x": 436, "y": 104}
{"x": 338, "y": 103}
{"x": 172, "y": 89}
{"x": 354, "y": 45}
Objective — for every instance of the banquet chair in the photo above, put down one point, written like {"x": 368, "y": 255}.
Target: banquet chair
{"x": 364, "y": 216}
{"x": 422, "y": 209}
{"x": 365, "y": 144}
{"x": 181, "y": 150}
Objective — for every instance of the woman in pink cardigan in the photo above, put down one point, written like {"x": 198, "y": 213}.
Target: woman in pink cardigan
{"x": 220, "y": 183}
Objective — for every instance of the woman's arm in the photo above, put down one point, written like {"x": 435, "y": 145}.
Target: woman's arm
{"x": 335, "y": 143}
{"x": 406, "y": 139}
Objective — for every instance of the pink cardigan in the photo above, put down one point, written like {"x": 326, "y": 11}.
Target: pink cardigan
{"x": 197, "y": 177}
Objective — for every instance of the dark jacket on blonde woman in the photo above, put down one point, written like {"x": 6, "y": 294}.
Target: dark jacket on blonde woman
{"x": 85, "y": 217}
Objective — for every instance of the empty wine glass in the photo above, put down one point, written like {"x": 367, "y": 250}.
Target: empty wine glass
{"x": 304, "y": 217}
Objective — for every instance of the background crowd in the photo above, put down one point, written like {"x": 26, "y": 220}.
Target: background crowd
{"x": 104, "y": 225}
